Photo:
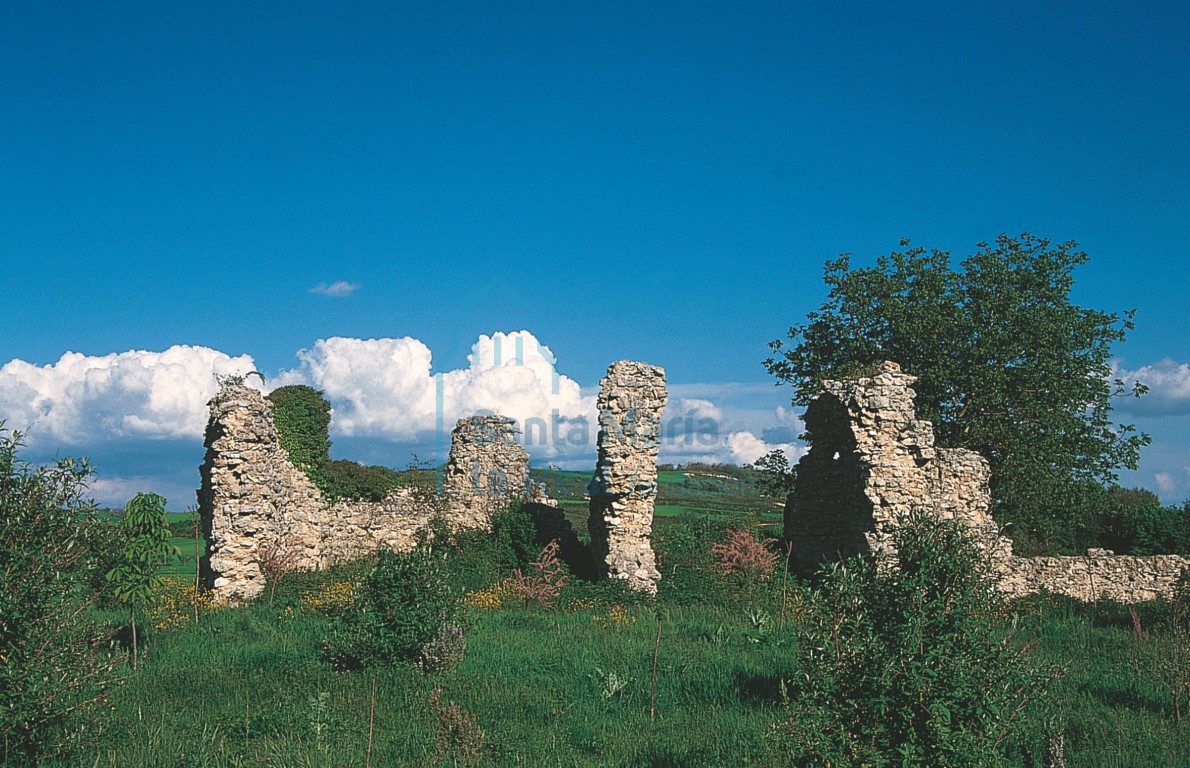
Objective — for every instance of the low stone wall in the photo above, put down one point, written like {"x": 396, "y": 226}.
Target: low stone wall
{"x": 1124, "y": 578}
{"x": 352, "y": 529}
{"x": 254, "y": 502}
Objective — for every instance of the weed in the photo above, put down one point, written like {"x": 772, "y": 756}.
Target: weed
{"x": 276, "y": 559}
{"x": 611, "y": 683}
{"x": 459, "y": 736}
{"x": 742, "y": 555}
{"x": 174, "y": 605}
{"x": 546, "y": 581}
{"x": 617, "y": 617}
{"x": 492, "y": 597}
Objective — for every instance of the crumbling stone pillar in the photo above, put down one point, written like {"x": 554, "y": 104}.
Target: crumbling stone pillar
{"x": 485, "y": 470}
{"x": 632, "y": 397}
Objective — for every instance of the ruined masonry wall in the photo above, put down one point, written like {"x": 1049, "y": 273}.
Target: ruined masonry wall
{"x": 1125, "y": 578}
{"x": 252, "y": 497}
{"x": 486, "y": 467}
{"x": 632, "y": 397}
{"x": 871, "y": 461}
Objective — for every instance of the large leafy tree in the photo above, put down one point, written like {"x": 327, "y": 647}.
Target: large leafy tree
{"x": 1007, "y": 366}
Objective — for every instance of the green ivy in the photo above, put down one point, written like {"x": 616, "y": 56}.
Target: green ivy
{"x": 302, "y": 416}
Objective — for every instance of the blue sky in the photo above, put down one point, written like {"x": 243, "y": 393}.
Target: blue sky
{"x": 657, "y": 181}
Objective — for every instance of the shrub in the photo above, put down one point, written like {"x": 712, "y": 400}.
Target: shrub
{"x": 343, "y": 479}
{"x": 907, "y": 664}
{"x": 105, "y": 542}
{"x": 51, "y": 673}
{"x": 741, "y": 554}
{"x": 479, "y": 558}
{"x": 460, "y": 739}
{"x": 546, "y": 580}
{"x": 515, "y": 535}
{"x": 404, "y": 611}
{"x": 1165, "y": 655}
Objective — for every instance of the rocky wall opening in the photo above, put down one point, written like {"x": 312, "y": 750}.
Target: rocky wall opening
{"x": 871, "y": 461}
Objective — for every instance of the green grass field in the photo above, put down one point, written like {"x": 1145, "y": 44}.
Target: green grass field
{"x": 573, "y": 687}
{"x": 249, "y": 687}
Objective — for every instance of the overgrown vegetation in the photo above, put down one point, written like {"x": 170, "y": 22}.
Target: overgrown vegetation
{"x": 302, "y": 416}
{"x": 1006, "y": 365}
{"x": 912, "y": 665}
{"x": 405, "y": 610}
{"x": 1133, "y": 521}
{"x": 53, "y": 666}
{"x": 253, "y": 686}
{"x": 365, "y": 662}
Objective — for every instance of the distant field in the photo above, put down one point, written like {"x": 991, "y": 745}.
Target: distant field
{"x": 181, "y": 523}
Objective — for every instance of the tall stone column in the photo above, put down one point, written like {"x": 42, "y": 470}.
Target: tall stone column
{"x": 632, "y": 397}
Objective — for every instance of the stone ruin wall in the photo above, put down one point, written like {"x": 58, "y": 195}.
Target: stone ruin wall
{"x": 1099, "y": 573}
{"x": 871, "y": 461}
{"x": 632, "y": 397}
{"x": 486, "y": 467}
{"x": 252, "y": 497}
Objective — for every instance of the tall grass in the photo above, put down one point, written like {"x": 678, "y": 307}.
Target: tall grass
{"x": 571, "y": 687}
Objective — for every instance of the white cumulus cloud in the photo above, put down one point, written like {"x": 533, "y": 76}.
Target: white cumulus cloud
{"x": 386, "y": 388}
{"x": 134, "y": 394}
{"x": 745, "y": 448}
{"x": 1165, "y": 482}
{"x": 1169, "y": 388}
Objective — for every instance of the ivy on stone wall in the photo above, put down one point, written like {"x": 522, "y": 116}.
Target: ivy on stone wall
{"x": 343, "y": 479}
{"x": 303, "y": 419}
{"x": 302, "y": 416}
